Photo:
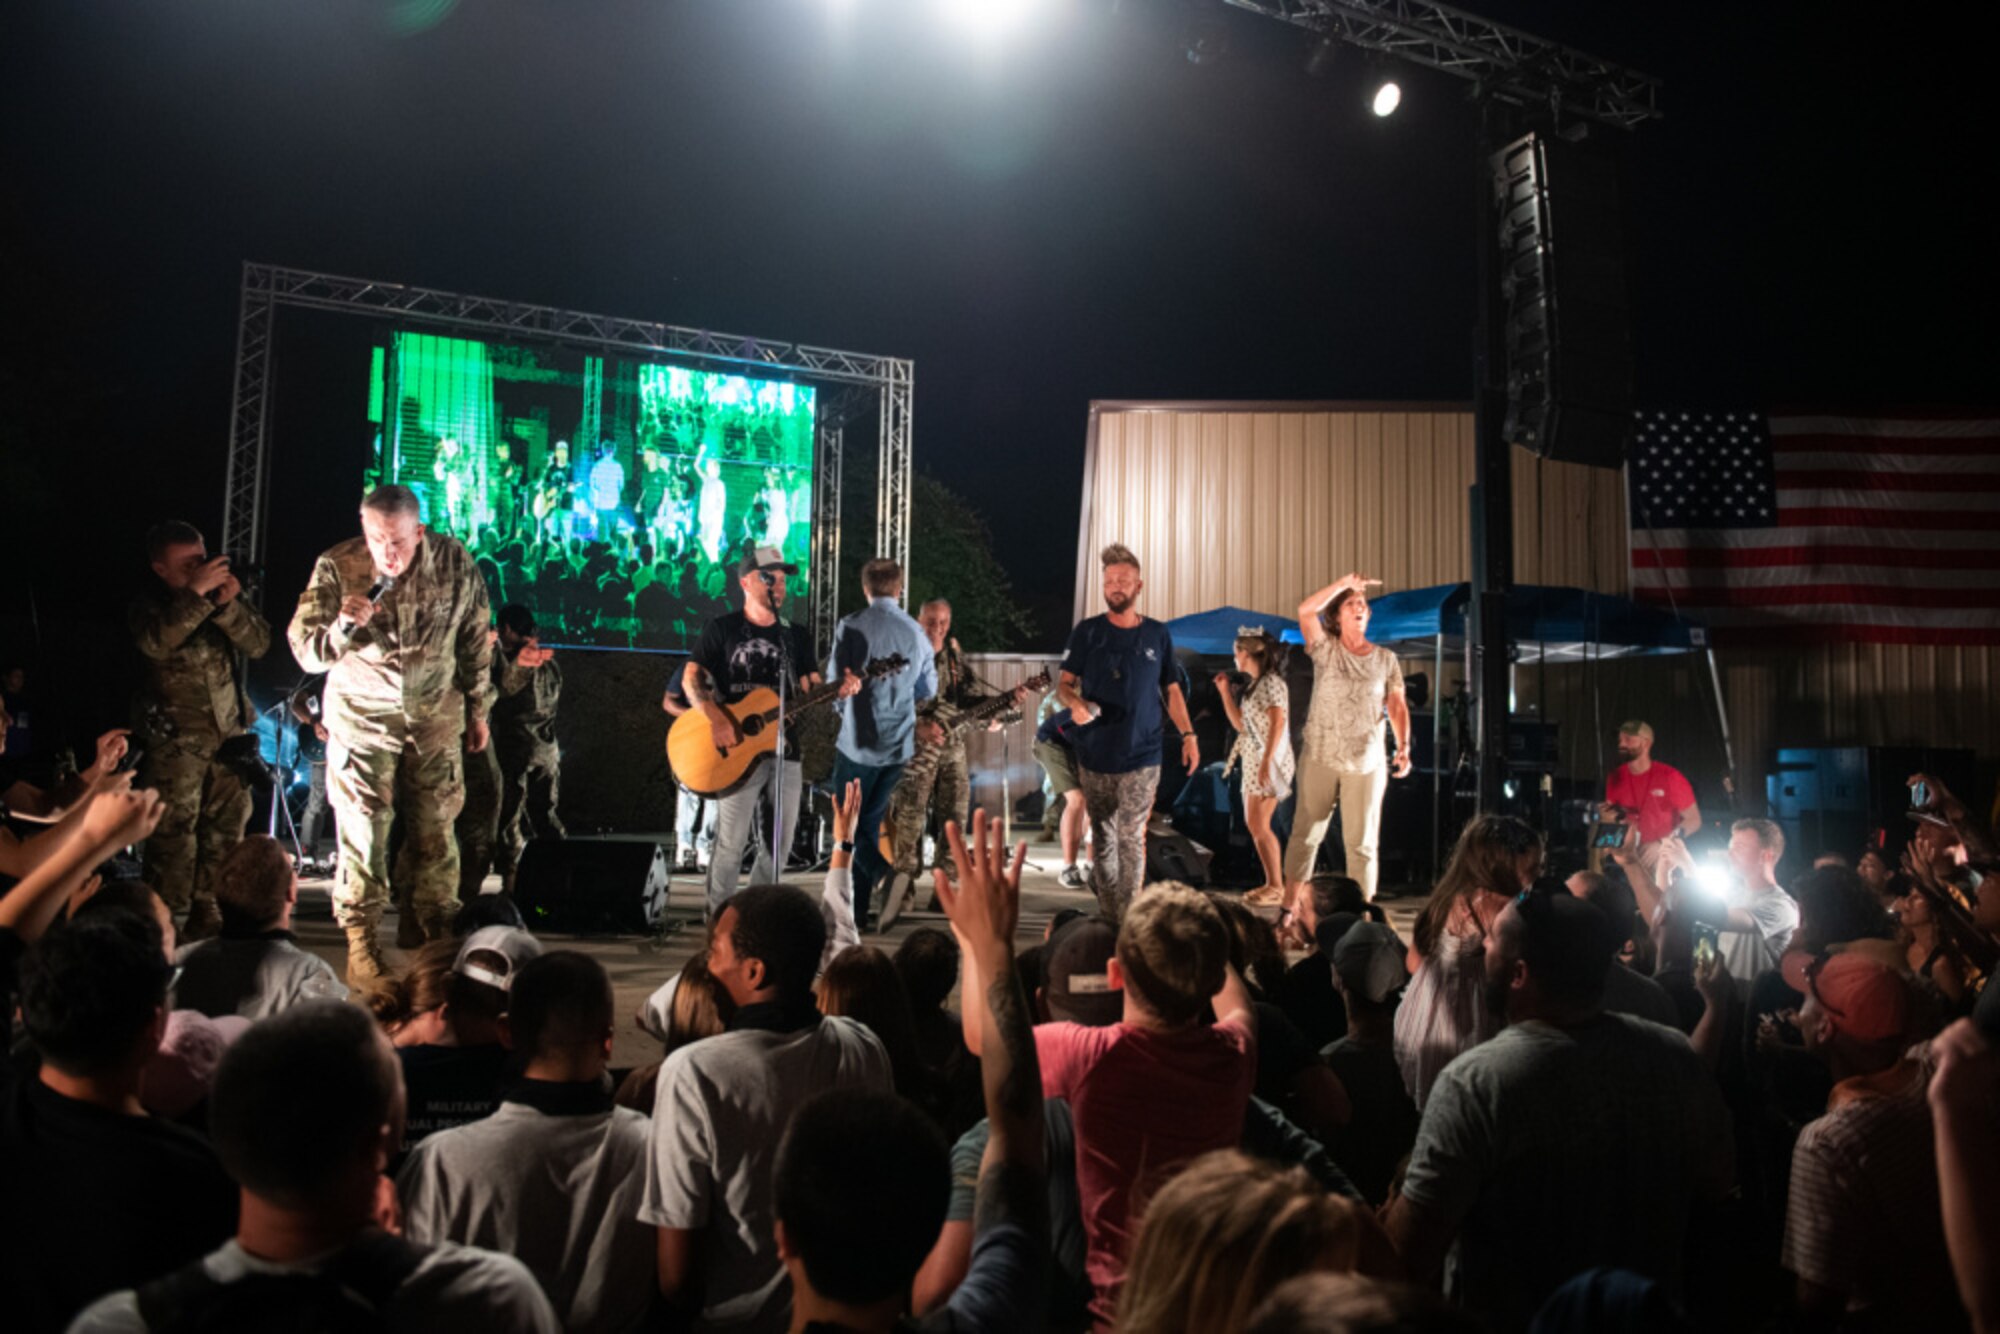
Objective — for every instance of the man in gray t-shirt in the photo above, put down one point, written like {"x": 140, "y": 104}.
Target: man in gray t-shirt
{"x": 723, "y": 1103}
{"x": 254, "y": 968}
{"x": 1574, "y": 1139}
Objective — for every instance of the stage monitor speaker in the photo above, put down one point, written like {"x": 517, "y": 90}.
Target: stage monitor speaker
{"x": 1172, "y": 856}
{"x": 592, "y": 886}
{"x": 1562, "y": 289}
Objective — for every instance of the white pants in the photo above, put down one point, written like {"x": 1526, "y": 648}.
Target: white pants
{"x": 1359, "y": 796}
{"x": 736, "y": 824}
{"x": 694, "y": 824}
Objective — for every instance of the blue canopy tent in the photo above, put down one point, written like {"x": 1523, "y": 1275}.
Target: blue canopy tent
{"x": 1213, "y": 633}
{"x": 1544, "y": 625}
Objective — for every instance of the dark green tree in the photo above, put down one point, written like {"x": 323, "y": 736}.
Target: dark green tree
{"x": 951, "y": 556}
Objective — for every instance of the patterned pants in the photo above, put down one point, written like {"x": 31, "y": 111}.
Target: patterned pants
{"x": 376, "y": 784}
{"x": 947, "y": 793}
{"x": 206, "y": 809}
{"x": 1118, "y": 806}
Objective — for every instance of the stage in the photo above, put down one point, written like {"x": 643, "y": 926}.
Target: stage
{"x": 639, "y": 964}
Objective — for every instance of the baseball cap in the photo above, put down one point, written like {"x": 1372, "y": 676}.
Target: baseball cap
{"x": 509, "y": 948}
{"x": 1078, "y": 988}
{"x": 1369, "y": 962}
{"x": 1864, "y": 996}
{"x": 764, "y": 558}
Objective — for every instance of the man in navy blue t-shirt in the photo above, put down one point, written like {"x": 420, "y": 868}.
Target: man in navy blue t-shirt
{"x": 1117, "y": 672}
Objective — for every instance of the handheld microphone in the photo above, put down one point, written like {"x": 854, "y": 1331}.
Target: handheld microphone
{"x": 376, "y": 592}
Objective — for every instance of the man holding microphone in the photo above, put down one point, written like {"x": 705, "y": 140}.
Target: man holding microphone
{"x": 1117, "y": 673}
{"x": 397, "y": 619}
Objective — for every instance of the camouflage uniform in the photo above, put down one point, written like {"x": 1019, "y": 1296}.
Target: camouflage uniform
{"x": 477, "y": 828}
{"x": 524, "y": 738}
{"x": 399, "y": 692}
{"x": 190, "y": 645}
{"x": 946, "y": 791}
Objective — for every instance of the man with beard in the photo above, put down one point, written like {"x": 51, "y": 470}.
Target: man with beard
{"x": 1572, "y": 1140}
{"x": 739, "y": 652}
{"x": 1654, "y": 797}
{"x": 397, "y": 619}
{"x": 1116, "y": 671}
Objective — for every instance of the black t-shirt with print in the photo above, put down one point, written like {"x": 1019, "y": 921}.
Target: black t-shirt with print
{"x": 739, "y": 657}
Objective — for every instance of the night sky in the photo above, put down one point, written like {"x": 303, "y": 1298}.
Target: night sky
{"x": 1075, "y": 213}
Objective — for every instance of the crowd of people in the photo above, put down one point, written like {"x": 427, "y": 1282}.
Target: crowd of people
{"x": 1650, "y": 1096}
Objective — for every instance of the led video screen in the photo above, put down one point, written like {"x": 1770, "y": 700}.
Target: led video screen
{"x": 611, "y": 497}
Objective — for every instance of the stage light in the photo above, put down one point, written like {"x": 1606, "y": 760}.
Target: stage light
{"x": 990, "y": 18}
{"x": 1387, "y": 98}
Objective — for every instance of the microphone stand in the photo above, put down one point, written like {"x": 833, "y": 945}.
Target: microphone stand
{"x": 778, "y": 752}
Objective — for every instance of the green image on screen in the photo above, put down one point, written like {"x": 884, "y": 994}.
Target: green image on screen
{"x": 610, "y": 497}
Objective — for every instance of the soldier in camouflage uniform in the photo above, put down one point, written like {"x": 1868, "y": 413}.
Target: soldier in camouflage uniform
{"x": 408, "y": 690}
{"x": 947, "y": 790}
{"x": 527, "y": 683}
{"x": 477, "y": 830}
{"x": 190, "y": 626}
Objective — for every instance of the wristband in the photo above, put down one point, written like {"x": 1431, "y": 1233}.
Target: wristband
{"x": 845, "y": 845}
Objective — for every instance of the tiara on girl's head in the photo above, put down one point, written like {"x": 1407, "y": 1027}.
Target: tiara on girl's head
{"x": 1252, "y": 632}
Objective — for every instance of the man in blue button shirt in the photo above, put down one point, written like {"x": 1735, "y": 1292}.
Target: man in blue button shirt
{"x": 878, "y": 727}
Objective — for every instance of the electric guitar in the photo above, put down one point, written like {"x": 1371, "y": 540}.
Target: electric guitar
{"x": 929, "y": 756}
{"x": 709, "y": 771}
{"x": 925, "y": 762}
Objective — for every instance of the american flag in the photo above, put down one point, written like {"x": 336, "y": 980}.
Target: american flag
{"x": 1819, "y": 529}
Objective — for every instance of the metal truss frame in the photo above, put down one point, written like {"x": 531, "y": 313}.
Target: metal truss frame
{"x": 267, "y": 287}
{"x": 1505, "y": 63}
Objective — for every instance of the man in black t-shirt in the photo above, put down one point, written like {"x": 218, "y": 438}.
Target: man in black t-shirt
{"x": 739, "y": 652}
{"x": 95, "y": 1194}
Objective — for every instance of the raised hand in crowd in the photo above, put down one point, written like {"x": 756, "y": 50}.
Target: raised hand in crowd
{"x": 112, "y": 747}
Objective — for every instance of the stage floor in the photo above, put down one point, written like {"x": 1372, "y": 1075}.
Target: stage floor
{"x": 639, "y": 964}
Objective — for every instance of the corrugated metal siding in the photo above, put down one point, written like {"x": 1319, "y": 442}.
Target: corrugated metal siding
{"x": 1256, "y": 505}
{"x": 1258, "y": 508}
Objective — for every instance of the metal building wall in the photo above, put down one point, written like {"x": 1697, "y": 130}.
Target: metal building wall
{"x": 1257, "y": 504}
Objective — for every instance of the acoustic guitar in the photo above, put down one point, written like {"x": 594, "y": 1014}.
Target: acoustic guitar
{"x": 704, "y": 769}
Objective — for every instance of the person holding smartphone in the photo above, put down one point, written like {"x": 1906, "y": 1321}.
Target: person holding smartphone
{"x": 1655, "y": 798}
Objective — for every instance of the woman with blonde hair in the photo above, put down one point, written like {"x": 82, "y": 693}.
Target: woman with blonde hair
{"x": 1444, "y": 1012}
{"x": 1221, "y": 1235}
{"x": 1264, "y": 749}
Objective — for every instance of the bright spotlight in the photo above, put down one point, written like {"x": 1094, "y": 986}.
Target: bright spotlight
{"x": 1387, "y": 98}
{"x": 989, "y": 18}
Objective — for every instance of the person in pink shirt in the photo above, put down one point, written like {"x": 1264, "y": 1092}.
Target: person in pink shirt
{"x": 1161, "y": 1087}
{"x": 1654, "y": 798}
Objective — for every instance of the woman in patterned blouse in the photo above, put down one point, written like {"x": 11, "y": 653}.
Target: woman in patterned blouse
{"x": 1264, "y": 748}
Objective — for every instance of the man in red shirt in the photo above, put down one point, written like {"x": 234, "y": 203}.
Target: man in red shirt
{"x": 1159, "y": 1088}
{"x": 1655, "y": 798}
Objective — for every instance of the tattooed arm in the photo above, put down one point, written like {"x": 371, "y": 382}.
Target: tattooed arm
{"x": 1004, "y": 1288}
